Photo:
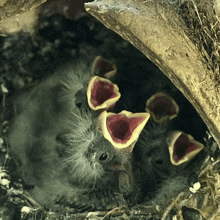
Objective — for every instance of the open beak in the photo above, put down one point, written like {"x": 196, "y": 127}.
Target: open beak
{"x": 123, "y": 129}
{"x": 162, "y": 107}
{"x": 182, "y": 147}
{"x": 103, "y": 67}
{"x": 102, "y": 94}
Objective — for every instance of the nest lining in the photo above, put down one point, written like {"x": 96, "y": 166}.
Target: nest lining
{"x": 202, "y": 20}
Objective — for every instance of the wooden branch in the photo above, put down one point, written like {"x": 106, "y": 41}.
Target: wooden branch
{"x": 9, "y": 8}
{"x": 155, "y": 29}
{"x": 17, "y": 15}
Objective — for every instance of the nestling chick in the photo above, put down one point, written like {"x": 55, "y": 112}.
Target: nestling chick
{"x": 151, "y": 152}
{"x": 40, "y": 115}
{"x": 153, "y": 157}
{"x": 61, "y": 153}
{"x": 164, "y": 153}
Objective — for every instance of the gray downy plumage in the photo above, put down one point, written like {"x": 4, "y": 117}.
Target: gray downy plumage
{"x": 151, "y": 151}
{"x": 61, "y": 155}
{"x": 160, "y": 178}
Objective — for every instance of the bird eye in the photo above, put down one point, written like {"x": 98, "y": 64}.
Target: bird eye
{"x": 103, "y": 157}
{"x": 79, "y": 105}
{"x": 159, "y": 162}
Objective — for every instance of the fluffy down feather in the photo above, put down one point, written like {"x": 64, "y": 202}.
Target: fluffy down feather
{"x": 60, "y": 152}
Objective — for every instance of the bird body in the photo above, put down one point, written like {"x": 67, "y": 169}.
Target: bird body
{"x": 152, "y": 153}
{"x": 62, "y": 157}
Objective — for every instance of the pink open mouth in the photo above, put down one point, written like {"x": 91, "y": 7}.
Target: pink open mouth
{"x": 162, "y": 107}
{"x": 102, "y": 93}
{"x": 103, "y": 67}
{"x": 182, "y": 147}
{"x": 122, "y": 129}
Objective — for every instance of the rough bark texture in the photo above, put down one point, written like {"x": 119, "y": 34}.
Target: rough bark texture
{"x": 23, "y": 15}
{"x": 155, "y": 28}
{"x": 9, "y": 8}
{"x": 16, "y": 15}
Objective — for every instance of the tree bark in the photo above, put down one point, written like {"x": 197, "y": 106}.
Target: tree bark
{"x": 155, "y": 28}
{"x": 9, "y": 8}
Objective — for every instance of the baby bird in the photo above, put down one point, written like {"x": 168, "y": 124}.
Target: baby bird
{"x": 164, "y": 153}
{"x": 151, "y": 152}
{"x": 62, "y": 156}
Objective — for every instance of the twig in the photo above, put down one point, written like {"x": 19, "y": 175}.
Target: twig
{"x": 170, "y": 207}
{"x": 115, "y": 210}
{"x": 215, "y": 214}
